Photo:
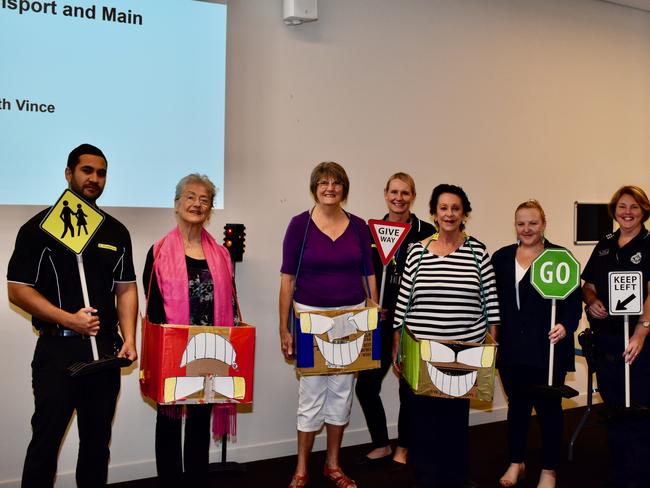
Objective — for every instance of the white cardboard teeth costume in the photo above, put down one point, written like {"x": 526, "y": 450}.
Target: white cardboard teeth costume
{"x": 206, "y": 346}
{"x": 209, "y": 346}
{"x": 183, "y": 364}
{"x": 449, "y": 369}
{"x": 459, "y": 384}
{"x": 337, "y": 341}
{"x": 336, "y": 352}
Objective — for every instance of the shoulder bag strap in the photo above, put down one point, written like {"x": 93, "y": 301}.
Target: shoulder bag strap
{"x": 154, "y": 254}
{"x": 409, "y": 301}
{"x": 364, "y": 270}
{"x": 292, "y": 316}
{"x": 480, "y": 282}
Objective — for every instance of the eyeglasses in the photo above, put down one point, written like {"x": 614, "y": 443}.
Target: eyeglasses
{"x": 191, "y": 198}
{"x": 327, "y": 183}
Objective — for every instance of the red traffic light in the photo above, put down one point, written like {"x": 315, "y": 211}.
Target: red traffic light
{"x": 234, "y": 236}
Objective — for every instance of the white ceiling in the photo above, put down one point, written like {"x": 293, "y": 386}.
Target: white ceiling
{"x": 638, "y": 4}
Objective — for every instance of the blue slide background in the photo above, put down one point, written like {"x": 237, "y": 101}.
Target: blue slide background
{"x": 151, "y": 96}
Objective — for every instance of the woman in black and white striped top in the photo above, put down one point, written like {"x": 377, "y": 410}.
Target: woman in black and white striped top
{"x": 447, "y": 302}
{"x": 454, "y": 298}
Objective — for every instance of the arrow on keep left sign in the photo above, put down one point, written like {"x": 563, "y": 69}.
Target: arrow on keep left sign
{"x": 621, "y": 305}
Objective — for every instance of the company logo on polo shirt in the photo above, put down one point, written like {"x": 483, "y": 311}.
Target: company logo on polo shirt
{"x": 110, "y": 247}
{"x": 636, "y": 259}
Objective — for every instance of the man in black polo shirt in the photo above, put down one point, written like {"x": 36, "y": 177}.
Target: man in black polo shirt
{"x": 43, "y": 279}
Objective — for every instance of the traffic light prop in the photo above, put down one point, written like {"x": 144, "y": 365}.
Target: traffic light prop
{"x": 234, "y": 236}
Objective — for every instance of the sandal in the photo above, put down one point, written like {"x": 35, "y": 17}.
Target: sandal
{"x": 298, "y": 481}
{"x": 336, "y": 475}
{"x": 514, "y": 473}
{"x": 547, "y": 479}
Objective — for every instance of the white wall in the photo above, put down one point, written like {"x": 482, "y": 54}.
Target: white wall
{"x": 511, "y": 99}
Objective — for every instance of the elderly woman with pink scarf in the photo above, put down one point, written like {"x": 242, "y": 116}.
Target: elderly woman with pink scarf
{"x": 188, "y": 280}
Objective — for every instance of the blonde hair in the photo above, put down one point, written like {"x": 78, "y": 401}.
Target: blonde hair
{"x": 534, "y": 204}
{"x": 404, "y": 177}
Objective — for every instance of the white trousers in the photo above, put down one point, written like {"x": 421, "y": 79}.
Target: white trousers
{"x": 324, "y": 398}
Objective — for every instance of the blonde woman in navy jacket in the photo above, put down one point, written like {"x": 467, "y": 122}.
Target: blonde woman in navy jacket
{"x": 524, "y": 335}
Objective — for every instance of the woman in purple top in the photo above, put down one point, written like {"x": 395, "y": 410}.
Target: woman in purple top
{"x": 335, "y": 266}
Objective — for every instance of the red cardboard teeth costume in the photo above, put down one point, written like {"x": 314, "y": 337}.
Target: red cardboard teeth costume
{"x": 184, "y": 364}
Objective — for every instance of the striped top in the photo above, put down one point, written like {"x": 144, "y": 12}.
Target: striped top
{"x": 446, "y": 302}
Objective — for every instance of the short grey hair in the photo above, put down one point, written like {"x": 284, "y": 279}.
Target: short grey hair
{"x": 198, "y": 179}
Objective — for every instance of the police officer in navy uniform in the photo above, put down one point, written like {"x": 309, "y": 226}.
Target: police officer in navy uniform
{"x": 43, "y": 280}
{"x": 627, "y": 249}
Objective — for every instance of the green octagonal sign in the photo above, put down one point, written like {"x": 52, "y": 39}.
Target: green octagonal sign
{"x": 555, "y": 273}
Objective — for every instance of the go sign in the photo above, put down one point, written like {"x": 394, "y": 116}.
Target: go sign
{"x": 555, "y": 273}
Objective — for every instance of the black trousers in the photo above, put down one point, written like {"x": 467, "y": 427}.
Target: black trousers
{"x": 56, "y": 397}
{"x": 517, "y": 381}
{"x": 368, "y": 389}
{"x": 629, "y": 438}
{"x": 438, "y": 440}
{"x": 175, "y": 457}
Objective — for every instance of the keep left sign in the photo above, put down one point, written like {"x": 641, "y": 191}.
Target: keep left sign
{"x": 625, "y": 293}
{"x": 388, "y": 236}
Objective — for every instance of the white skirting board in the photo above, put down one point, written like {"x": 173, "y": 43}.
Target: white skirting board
{"x": 286, "y": 447}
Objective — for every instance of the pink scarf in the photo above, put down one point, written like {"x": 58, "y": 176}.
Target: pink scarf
{"x": 171, "y": 273}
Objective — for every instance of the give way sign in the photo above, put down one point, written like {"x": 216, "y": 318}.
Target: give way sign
{"x": 388, "y": 236}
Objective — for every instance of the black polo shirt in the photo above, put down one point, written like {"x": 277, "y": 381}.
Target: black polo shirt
{"x": 608, "y": 256}
{"x": 41, "y": 261}
{"x": 419, "y": 230}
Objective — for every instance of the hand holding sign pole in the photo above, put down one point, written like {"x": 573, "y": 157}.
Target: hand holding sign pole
{"x": 387, "y": 236}
{"x": 626, "y": 298}
{"x": 555, "y": 273}
{"x": 84, "y": 292}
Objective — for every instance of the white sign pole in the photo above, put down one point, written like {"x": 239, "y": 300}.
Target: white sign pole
{"x": 551, "y": 353}
{"x": 84, "y": 292}
{"x": 383, "y": 283}
{"x": 626, "y": 298}
{"x": 626, "y": 322}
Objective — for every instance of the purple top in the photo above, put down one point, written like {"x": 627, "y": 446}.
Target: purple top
{"x": 330, "y": 271}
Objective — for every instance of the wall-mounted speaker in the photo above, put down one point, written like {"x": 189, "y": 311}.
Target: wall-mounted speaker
{"x": 295, "y": 12}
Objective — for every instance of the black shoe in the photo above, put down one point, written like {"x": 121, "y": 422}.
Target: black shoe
{"x": 396, "y": 466}
{"x": 366, "y": 461}
{"x": 466, "y": 484}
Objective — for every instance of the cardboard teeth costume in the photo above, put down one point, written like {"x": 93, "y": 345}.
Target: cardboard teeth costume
{"x": 448, "y": 369}
{"x": 337, "y": 341}
{"x": 184, "y": 364}
{"x": 187, "y": 364}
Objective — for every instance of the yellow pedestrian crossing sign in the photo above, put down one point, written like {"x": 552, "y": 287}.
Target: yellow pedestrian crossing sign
{"x": 72, "y": 221}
